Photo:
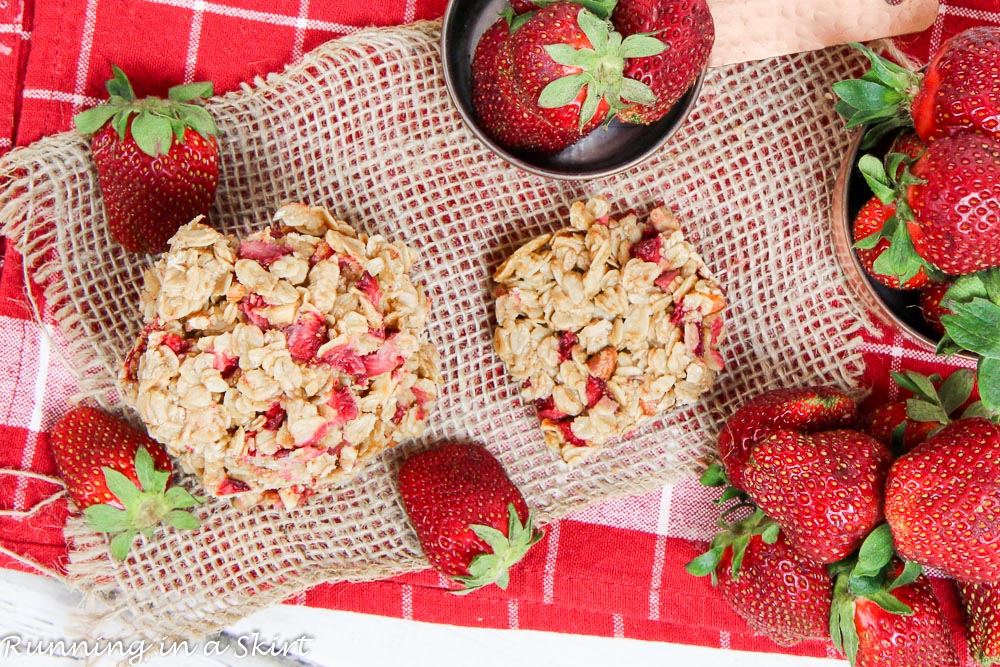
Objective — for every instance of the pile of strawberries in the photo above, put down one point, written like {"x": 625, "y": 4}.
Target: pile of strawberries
{"x": 548, "y": 73}
{"x": 829, "y": 517}
{"x": 933, "y": 223}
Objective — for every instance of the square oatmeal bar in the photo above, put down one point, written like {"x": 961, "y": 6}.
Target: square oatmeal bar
{"x": 607, "y": 324}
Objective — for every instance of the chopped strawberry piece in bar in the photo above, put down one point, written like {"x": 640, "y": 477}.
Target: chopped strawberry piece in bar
{"x": 275, "y": 417}
{"x": 229, "y": 485}
{"x": 176, "y": 344}
{"x": 305, "y": 336}
{"x": 250, "y": 304}
{"x": 648, "y": 250}
{"x": 567, "y": 341}
{"x": 422, "y": 397}
{"x": 344, "y": 405}
{"x": 369, "y": 285}
{"x": 322, "y": 251}
{"x": 546, "y": 408}
{"x": 225, "y": 364}
{"x": 383, "y": 360}
{"x": 344, "y": 359}
{"x": 349, "y": 268}
{"x": 716, "y": 330}
{"x": 596, "y": 390}
{"x": 666, "y": 279}
{"x": 567, "y": 430}
{"x": 262, "y": 252}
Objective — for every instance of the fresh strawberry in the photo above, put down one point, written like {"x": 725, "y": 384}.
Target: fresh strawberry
{"x": 687, "y": 28}
{"x": 778, "y": 592}
{"x": 883, "y": 421}
{"x": 909, "y": 144}
{"x": 824, "y": 489}
{"x": 884, "y": 612}
{"x": 958, "y": 92}
{"x": 869, "y": 224}
{"x": 942, "y": 501}
{"x": 803, "y": 409}
{"x": 960, "y": 89}
{"x": 931, "y": 309}
{"x": 982, "y": 620}
{"x": 511, "y": 122}
{"x": 119, "y": 477}
{"x": 157, "y": 161}
{"x": 570, "y": 63}
{"x": 947, "y": 207}
{"x": 471, "y": 520}
{"x": 957, "y": 207}
{"x": 934, "y": 403}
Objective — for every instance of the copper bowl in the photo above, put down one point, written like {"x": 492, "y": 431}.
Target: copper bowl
{"x": 603, "y": 152}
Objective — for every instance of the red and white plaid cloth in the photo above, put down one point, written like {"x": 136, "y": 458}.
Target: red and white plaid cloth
{"x": 613, "y": 570}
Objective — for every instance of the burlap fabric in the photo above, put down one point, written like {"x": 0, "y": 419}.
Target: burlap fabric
{"x": 364, "y": 126}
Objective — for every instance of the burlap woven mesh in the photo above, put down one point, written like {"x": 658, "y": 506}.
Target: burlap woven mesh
{"x": 364, "y": 126}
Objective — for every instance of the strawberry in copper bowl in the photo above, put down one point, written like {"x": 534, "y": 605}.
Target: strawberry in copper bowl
{"x": 576, "y": 89}
{"x": 917, "y": 211}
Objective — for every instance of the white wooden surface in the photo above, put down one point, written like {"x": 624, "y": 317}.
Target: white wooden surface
{"x": 34, "y": 608}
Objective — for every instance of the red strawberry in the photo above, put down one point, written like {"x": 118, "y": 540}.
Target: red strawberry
{"x": 869, "y": 223}
{"x": 908, "y": 144}
{"x": 804, "y": 409}
{"x": 958, "y": 92}
{"x": 511, "y": 122}
{"x": 884, "y": 612}
{"x": 942, "y": 501}
{"x": 570, "y": 62}
{"x": 157, "y": 161}
{"x": 905, "y": 424}
{"x": 960, "y": 89}
{"x": 567, "y": 341}
{"x": 471, "y": 520}
{"x": 778, "y": 592}
{"x": 931, "y": 308}
{"x": 687, "y": 28}
{"x": 883, "y": 420}
{"x": 118, "y": 476}
{"x": 824, "y": 489}
{"x": 957, "y": 208}
{"x": 911, "y": 633}
{"x": 982, "y": 620}
{"x": 947, "y": 207}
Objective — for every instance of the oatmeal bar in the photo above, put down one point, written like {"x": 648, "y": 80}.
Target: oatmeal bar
{"x": 278, "y": 365}
{"x": 607, "y": 324}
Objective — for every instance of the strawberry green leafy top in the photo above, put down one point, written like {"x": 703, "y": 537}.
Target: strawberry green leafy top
{"x": 601, "y": 69}
{"x": 144, "y": 506}
{"x": 155, "y": 122}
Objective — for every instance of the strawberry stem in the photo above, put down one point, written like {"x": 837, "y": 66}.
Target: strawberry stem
{"x": 879, "y": 100}
{"x": 493, "y": 567}
{"x": 140, "y": 509}
{"x": 154, "y": 123}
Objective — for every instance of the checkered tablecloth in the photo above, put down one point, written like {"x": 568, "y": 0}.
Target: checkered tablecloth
{"x": 613, "y": 570}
